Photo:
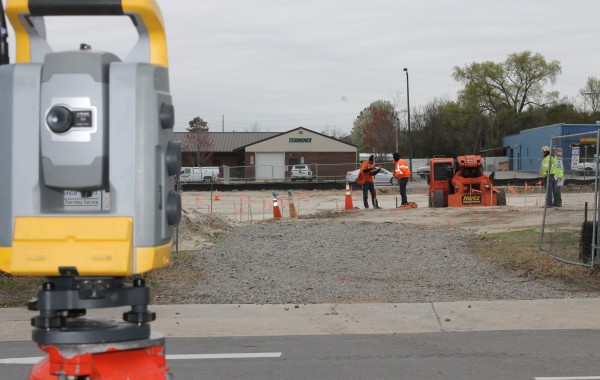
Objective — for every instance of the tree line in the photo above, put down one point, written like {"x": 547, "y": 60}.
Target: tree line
{"x": 496, "y": 99}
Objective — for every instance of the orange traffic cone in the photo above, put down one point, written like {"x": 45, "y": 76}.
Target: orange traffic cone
{"x": 293, "y": 212}
{"x": 349, "y": 205}
{"x": 217, "y": 195}
{"x": 276, "y": 210}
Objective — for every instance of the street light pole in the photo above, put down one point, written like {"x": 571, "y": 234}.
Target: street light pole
{"x": 408, "y": 107}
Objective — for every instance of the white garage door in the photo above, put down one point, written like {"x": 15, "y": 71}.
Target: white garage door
{"x": 270, "y": 166}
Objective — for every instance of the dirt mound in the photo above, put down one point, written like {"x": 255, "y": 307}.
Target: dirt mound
{"x": 323, "y": 214}
{"x": 198, "y": 230}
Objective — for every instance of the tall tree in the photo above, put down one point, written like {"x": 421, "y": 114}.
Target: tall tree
{"x": 376, "y": 128}
{"x": 514, "y": 84}
{"x": 197, "y": 124}
{"x": 449, "y": 128}
{"x": 591, "y": 94}
{"x": 561, "y": 112}
{"x": 197, "y": 144}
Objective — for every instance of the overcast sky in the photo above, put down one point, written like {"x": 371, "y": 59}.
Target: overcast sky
{"x": 317, "y": 63}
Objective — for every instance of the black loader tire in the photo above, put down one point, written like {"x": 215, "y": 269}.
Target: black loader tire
{"x": 438, "y": 198}
{"x": 501, "y": 198}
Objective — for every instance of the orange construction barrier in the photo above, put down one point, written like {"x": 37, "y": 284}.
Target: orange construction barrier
{"x": 349, "y": 205}
{"x": 276, "y": 210}
{"x": 217, "y": 195}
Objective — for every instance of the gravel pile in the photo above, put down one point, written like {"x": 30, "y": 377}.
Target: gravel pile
{"x": 342, "y": 261}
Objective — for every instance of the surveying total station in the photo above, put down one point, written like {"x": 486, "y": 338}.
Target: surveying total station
{"x": 88, "y": 186}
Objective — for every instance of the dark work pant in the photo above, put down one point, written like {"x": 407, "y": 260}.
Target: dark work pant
{"x": 369, "y": 187}
{"x": 550, "y": 184}
{"x": 402, "y": 182}
{"x": 557, "y": 195}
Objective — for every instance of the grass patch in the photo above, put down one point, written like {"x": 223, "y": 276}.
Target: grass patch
{"x": 172, "y": 283}
{"x": 518, "y": 251}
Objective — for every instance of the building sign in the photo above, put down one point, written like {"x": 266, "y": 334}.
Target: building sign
{"x": 300, "y": 140}
{"x": 574, "y": 157}
{"x": 471, "y": 199}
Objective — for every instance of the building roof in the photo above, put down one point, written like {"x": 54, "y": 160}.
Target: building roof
{"x": 222, "y": 141}
{"x": 579, "y": 127}
{"x": 232, "y": 141}
{"x": 291, "y": 131}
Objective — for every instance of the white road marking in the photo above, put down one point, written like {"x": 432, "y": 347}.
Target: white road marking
{"x": 569, "y": 378}
{"x": 250, "y": 355}
{"x": 225, "y": 356}
{"x": 30, "y": 360}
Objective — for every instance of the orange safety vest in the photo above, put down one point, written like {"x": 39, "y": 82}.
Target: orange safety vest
{"x": 402, "y": 170}
{"x": 367, "y": 165}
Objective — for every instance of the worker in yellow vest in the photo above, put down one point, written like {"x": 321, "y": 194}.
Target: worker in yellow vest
{"x": 560, "y": 176}
{"x": 549, "y": 171}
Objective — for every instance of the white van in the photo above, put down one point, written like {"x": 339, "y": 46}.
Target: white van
{"x": 199, "y": 174}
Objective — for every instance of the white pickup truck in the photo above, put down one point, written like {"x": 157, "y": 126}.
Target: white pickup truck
{"x": 586, "y": 168}
{"x": 199, "y": 174}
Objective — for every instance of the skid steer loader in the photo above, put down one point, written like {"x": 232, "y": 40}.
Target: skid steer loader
{"x": 461, "y": 182}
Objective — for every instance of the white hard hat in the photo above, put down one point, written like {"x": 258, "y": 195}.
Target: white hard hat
{"x": 545, "y": 148}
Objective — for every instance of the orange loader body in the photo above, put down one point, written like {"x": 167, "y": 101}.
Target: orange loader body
{"x": 461, "y": 182}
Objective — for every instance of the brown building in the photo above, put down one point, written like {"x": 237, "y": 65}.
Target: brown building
{"x": 267, "y": 155}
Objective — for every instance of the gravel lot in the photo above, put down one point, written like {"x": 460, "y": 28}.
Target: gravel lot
{"x": 338, "y": 257}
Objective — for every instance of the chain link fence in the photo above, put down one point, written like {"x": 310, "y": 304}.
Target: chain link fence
{"x": 569, "y": 232}
{"x": 320, "y": 172}
{"x": 273, "y": 173}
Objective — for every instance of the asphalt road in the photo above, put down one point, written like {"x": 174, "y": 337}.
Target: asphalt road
{"x": 556, "y": 354}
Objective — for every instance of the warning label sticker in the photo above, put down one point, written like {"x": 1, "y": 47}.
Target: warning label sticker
{"x": 74, "y": 200}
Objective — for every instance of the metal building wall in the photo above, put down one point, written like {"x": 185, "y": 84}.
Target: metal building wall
{"x": 524, "y": 149}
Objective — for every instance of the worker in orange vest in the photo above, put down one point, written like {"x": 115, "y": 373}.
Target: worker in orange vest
{"x": 402, "y": 172}
{"x": 368, "y": 170}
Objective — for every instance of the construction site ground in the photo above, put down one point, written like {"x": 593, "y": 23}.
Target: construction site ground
{"x": 523, "y": 210}
{"x": 235, "y": 252}
{"x": 232, "y": 251}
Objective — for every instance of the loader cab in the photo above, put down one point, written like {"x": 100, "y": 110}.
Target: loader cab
{"x": 440, "y": 181}
{"x": 441, "y": 170}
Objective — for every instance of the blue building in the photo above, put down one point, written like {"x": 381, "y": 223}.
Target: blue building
{"x": 524, "y": 149}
